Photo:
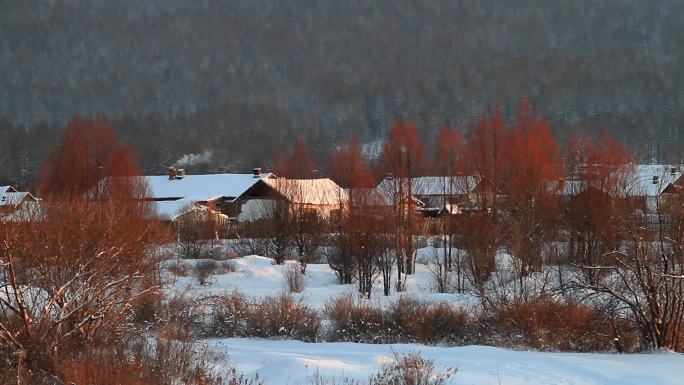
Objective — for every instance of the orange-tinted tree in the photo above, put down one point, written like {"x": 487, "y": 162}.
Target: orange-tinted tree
{"x": 449, "y": 164}
{"x": 533, "y": 170}
{"x": 600, "y": 176}
{"x": 402, "y": 159}
{"x": 450, "y": 152}
{"x": 88, "y": 152}
{"x": 481, "y": 230}
{"x": 74, "y": 264}
{"x": 296, "y": 163}
{"x": 487, "y": 159}
{"x": 348, "y": 169}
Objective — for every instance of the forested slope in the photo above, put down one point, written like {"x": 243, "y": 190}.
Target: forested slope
{"x": 241, "y": 77}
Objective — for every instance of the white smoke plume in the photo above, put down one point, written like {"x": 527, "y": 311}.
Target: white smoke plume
{"x": 194, "y": 159}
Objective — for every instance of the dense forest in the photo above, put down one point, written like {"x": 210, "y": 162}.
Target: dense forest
{"x": 235, "y": 80}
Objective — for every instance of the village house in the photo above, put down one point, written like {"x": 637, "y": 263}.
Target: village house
{"x": 176, "y": 193}
{"x": 200, "y": 222}
{"x": 321, "y": 196}
{"x": 435, "y": 196}
{"x": 12, "y": 201}
{"x": 641, "y": 185}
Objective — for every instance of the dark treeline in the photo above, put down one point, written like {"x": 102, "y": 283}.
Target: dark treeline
{"x": 240, "y": 78}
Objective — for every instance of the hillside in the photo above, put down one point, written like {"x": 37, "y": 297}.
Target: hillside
{"x": 241, "y": 78}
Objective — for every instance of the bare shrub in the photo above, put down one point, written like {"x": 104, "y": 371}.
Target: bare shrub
{"x": 146, "y": 308}
{"x": 191, "y": 247}
{"x": 294, "y": 278}
{"x": 406, "y": 369}
{"x": 429, "y": 323}
{"x": 180, "y": 318}
{"x": 232, "y": 254}
{"x": 411, "y": 369}
{"x": 319, "y": 379}
{"x": 549, "y": 324}
{"x": 142, "y": 363}
{"x": 405, "y": 320}
{"x": 355, "y": 321}
{"x": 74, "y": 271}
{"x": 227, "y": 267}
{"x": 229, "y": 314}
{"x": 282, "y": 316}
{"x": 179, "y": 270}
{"x": 440, "y": 274}
{"x": 204, "y": 269}
{"x": 254, "y": 238}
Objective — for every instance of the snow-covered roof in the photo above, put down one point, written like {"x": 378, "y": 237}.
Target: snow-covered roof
{"x": 434, "y": 185}
{"x": 201, "y": 187}
{"x": 644, "y": 174}
{"x": 368, "y": 196}
{"x": 4, "y": 189}
{"x": 321, "y": 191}
{"x": 11, "y": 197}
{"x": 636, "y": 181}
{"x": 200, "y": 208}
{"x": 171, "y": 209}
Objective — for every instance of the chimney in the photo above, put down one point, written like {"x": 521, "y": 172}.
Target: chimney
{"x": 673, "y": 171}
{"x": 172, "y": 173}
{"x": 180, "y": 173}
{"x": 656, "y": 179}
{"x": 257, "y": 172}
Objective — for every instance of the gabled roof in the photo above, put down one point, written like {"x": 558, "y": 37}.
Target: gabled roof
{"x": 196, "y": 208}
{"x": 321, "y": 191}
{"x": 644, "y": 183}
{"x": 11, "y": 197}
{"x": 201, "y": 187}
{"x": 4, "y": 189}
{"x": 433, "y": 185}
{"x": 171, "y": 209}
{"x": 636, "y": 181}
{"x": 367, "y": 196}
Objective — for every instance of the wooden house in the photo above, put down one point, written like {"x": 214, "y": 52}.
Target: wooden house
{"x": 174, "y": 192}
{"x": 321, "y": 196}
{"x": 12, "y": 200}
{"x": 434, "y": 195}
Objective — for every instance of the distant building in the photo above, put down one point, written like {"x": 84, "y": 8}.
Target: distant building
{"x": 434, "y": 195}
{"x": 321, "y": 196}
{"x": 641, "y": 184}
{"x": 12, "y": 200}
{"x": 176, "y": 192}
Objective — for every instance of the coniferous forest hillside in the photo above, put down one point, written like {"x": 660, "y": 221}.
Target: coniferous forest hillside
{"x": 235, "y": 80}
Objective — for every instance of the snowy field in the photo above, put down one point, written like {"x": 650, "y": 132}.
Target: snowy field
{"x": 294, "y": 362}
{"x": 258, "y": 277}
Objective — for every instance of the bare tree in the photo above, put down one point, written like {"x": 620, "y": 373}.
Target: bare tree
{"x": 644, "y": 276}
{"x": 403, "y": 159}
{"x": 70, "y": 272}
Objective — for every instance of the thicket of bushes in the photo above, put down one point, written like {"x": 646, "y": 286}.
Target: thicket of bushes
{"x": 406, "y": 320}
{"x": 549, "y": 324}
{"x": 233, "y": 315}
{"x": 544, "y": 323}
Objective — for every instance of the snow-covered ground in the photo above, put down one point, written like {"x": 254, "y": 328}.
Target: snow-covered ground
{"x": 294, "y": 363}
{"x": 258, "y": 277}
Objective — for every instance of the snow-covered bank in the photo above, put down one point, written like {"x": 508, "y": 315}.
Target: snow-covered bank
{"x": 294, "y": 362}
{"x": 259, "y": 277}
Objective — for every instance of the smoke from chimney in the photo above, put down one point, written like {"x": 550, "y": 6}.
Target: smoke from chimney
{"x": 195, "y": 159}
